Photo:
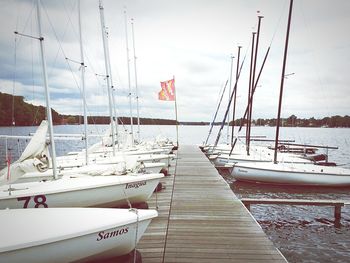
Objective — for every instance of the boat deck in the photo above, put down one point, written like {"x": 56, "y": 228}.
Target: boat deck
{"x": 201, "y": 220}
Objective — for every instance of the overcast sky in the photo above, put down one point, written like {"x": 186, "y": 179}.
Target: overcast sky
{"x": 192, "y": 40}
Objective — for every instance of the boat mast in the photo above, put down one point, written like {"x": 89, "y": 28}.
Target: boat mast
{"x": 249, "y": 92}
{"x": 253, "y": 81}
{"x": 229, "y": 97}
{"x": 234, "y": 98}
{"x": 253, "y": 91}
{"x": 108, "y": 81}
{"x": 282, "y": 81}
{"x": 228, "y": 106}
{"x": 216, "y": 113}
{"x": 115, "y": 117}
{"x": 83, "y": 84}
{"x": 136, "y": 87}
{"x": 47, "y": 93}
{"x": 129, "y": 81}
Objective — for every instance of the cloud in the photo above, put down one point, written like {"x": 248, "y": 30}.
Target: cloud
{"x": 191, "y": 40}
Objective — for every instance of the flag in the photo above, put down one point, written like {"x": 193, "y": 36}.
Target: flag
{"x": 168, "y": 90}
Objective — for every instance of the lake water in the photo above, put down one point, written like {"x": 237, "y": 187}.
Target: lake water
{"x": 302, "y": 233}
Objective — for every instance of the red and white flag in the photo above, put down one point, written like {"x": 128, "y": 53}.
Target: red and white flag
{"x": 168, "y": 90}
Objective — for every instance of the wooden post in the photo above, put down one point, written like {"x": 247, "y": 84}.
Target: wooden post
{"x": 177, "y": 126}
{"x": 337, "y": 213}
{"x": 336, "y": 203}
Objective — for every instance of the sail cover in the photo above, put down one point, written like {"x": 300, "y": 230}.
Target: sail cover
{"x": 35, "y": 157}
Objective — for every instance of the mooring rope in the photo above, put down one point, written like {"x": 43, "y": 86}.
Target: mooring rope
{"x": 137, "y": 228}
{"x": 127, "y": 199}
{"x": 171, "y": 202}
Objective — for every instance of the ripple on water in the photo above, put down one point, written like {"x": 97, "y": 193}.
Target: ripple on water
{"x": 302, "y": 233}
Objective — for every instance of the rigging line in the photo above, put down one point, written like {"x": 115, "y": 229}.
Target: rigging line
{"x": 315, "y": 66}
{"x": 74, "y": 78}
{"x": 77, "y": 36}
{"x": 96, "y": 77}
{"x": 14, "y": 87}
{"x": 56, "y": 36}
{"x": 14, "y": 78}
{"x": 69, "y": 17}
{"x": 170, "y": 208}
{"x": 217, "y": 109}
{"x": 278, "y": 23}
{"x": 35, "y": 112}
{"x": 93, "y": 71}
{"x": 61, "y": 48}
{"x": 27, "y": 20}
{"x": 229, "y": 104}
{"x": 251, "y": 95}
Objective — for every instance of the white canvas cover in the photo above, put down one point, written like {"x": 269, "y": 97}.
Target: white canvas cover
{"x": 35, "y": 157}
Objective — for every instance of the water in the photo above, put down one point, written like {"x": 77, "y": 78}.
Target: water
{"x": 302, "y": 233}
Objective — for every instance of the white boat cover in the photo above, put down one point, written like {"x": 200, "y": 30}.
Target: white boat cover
{"x": 22, "y": 228}
{"x": 35, "y": 157}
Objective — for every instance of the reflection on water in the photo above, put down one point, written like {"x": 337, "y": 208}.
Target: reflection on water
{"x": 302, "y": 233}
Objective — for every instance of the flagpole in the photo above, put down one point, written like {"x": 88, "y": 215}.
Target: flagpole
{"x": 177, "y": 126}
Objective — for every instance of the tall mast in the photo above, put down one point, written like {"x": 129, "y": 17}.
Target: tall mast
{"x": 136, "y": 87}
{"x": 253, "y": 82}
{"x": 229, "y": 97}
{"x": 282, "y": 81}
{"x": 249, "y": 91}
{"x": 47, "y": 93}
{"x": 83, "y": 84}
{"x": 108, "y": 81}
{"x": 235, "y": 96}
{"x": 115, "y": 118}
{"x": 129, "y": 81}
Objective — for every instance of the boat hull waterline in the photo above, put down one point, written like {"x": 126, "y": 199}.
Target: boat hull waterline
{"x": 85, "y": 191}
{"x": 291, "y": 174}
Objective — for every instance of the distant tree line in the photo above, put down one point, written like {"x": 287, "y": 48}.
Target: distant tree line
{"x": 14, "y": 111}
{"x": 294, "y": 121}
{"x": 78, "y": 119}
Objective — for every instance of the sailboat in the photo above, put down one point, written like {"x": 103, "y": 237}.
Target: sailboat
{"x": 289, "y": 173}
{"x": 64, "y": 234}
{"x": 70, "y": 234}
{"x": 257, "y": 154}
{"x": 75, "y": 189}
{"x": 292, "y": 174}
{"x": 90, "y": 185}
{"x": 105, "y": 152}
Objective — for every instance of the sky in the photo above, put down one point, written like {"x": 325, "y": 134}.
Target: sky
{"x": 191, "y": 40}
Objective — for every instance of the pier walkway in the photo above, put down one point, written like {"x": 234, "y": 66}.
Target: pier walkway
{"x": 201, "y": 220}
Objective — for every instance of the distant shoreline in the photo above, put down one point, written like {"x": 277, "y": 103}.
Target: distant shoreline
{"x": 180, "y": 124}
{"x": 15, "y": 112}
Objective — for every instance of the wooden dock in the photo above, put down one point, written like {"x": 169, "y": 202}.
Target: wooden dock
{"x": 201, "y": 220}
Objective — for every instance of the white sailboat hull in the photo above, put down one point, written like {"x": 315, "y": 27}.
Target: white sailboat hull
{"x": 84, "y": 191}
{"x": 266, "y": 157}
{"x": 291, "y": 174}
{"x": 70, "y": 234}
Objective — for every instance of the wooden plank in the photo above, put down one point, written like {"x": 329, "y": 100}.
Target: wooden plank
{"x": 293, "y": 202}
{"x": 336, "y": 203}
{"x": 201, "y": 220}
